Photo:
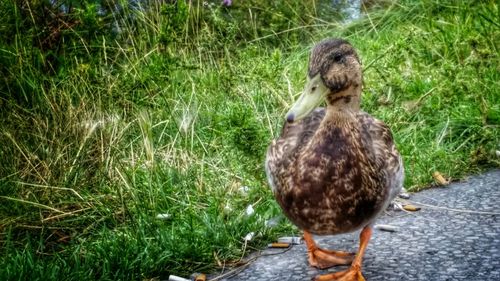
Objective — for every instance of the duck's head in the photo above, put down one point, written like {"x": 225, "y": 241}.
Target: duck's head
{"x": 334, "y": 74}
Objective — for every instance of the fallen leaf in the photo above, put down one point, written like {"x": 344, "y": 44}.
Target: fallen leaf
{"x": 411, "y": 208}
{"x": 440, "y": 179}
{"x": 219, "y": 263}
{"x": 201, "y": 277}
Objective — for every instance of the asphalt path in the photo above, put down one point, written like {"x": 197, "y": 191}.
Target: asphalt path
{"x": 454, "y": 236}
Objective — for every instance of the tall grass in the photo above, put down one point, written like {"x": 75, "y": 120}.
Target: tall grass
{"x": 172, "y": 116}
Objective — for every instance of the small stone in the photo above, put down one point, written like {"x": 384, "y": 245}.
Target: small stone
{"x": 404, "y": 195}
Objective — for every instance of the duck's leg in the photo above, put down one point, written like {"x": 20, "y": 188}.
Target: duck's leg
{"x": 322, "y": 258}
{"x": 354, "y": 272}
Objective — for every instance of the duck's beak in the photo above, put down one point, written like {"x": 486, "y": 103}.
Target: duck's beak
{"x": 314, "y": 93}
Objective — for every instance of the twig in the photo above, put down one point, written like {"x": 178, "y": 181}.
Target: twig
{"x": 42, "y": 227}
{"x": 247, "y": 263}
{"x": 34, "y": 204}
{"x": 52, "y": 187}
{"x": 368, "y": 65}
{"x": 289, "y": 30}
{"x": 456, "y": 210}
{"x": 24, "y": 154}
{"x": 65, "y": 214}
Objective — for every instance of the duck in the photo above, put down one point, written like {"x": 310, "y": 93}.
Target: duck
{"x": 334, "y": 169}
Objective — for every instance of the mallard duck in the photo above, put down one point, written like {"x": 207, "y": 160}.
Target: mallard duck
{"x": 334, "y": 170}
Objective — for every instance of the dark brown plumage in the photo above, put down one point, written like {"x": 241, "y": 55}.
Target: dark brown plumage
{"x": 333, "y": 170}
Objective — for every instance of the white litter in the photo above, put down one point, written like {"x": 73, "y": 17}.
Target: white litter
{"x": 244, "y": 189}
{"x": 249, "y": 236}
{"x": 177, "y": 278}
{"x": 250, "y": 210}
{"x": 404, "y": 195}
{"x": 273, "y": 221}
{"x": 386, "y": 227}
{"x": 163, "y": 216}
{"x": 396, "y": 206}
{"x": 290, "y": 240}
{"x": 227, "y": 208}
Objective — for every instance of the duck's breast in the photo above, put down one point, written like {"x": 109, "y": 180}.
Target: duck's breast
{"x": 335, "y": 187}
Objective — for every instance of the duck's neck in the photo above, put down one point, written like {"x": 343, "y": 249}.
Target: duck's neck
{"x": 343, "y": 106}
{"x": 339, "y": 121}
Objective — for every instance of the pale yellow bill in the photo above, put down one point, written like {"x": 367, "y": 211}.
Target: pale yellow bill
{"x": 314, "y": 93}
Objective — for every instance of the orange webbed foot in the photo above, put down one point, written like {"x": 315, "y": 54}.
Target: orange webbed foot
{"x": 321, "y": 258}
{"x": 352, "y": 274}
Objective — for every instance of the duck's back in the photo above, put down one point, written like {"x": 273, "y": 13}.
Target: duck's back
{"x": 387, "y": 157}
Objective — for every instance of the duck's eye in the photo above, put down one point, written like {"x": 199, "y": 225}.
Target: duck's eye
{"x": 314, "y": 88}
{"x": 337, "y": 57}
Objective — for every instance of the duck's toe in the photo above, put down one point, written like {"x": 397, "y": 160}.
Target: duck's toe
{"x": 352, "y": 274}
{"x": 322, "y": 259}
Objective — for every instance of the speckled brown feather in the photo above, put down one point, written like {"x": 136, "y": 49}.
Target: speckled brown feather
{"x": 334, "y": 171}
{"x": 341, "y": 184}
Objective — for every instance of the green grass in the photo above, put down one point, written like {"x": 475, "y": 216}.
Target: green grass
{"x": 135, "y": 127}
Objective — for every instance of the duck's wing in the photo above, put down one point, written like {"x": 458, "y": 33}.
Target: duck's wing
{"x": 294, "y": 137}
{"x": 379, "y": 141}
